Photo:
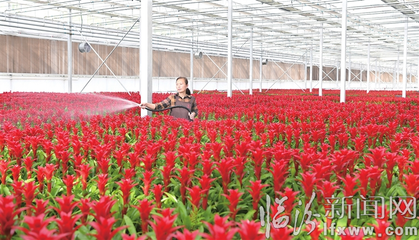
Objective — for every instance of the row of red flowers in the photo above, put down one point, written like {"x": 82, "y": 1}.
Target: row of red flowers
{"x": 67, "y": 172}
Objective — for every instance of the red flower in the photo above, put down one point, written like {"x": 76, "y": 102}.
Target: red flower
{"x": 40, "y": 175}
{"x": 102, "y": 208}
{"x": 233, "y": 200}
{"x": 126, "y": 185}
{"x": 184, "y": 177}
{"x": 66, "y": 204}
{"x": 250, "y": 230}
{"x": 281, "y": 233}
{"x": 225, "y": 167}
{"x": 4, "y": 167}
{"x": 257, "y": 158}
{"x": 84, "y": 206}
{"x": 279, "y": 174}
{"x": 29, "y": 193}
{"x": 186, "y": 235}
{"x": 256, "y": 192}
{"x": 104, "y": 165}
{"x": 289, "y": 203}
{"x": 40, "y": 206}
{"x": 207, "y": 166}
{"x": 221, "y": 229}
{"x": 49, "y": 172}
{"x": 411, "y": 184}
{"x": 84, "y": 171}
{"x": 28, "y": 161}
{"x": 69, "y": 182}
{"x": 8, "y": 213}
{"x": 327, "y": 189}
{"x": 147, "y": 179}
{"x": 196, "y": 194}
{"x": 205, "y": 182}
{"x": 377, "y": 157}
{"x": 104, "y": 228}
{"x": 129, "y": 173}
{"x": 127, "y": 237}
{"x": 18, "y": 189}
{"x": 38, "y": 228}
{"x": 163, "y": 226}
{"x": 101, "y": 182}
{"x": 16, "y": 172}
{"x": 391, "y": 162}
{"x": 315, "y": 234}
{"x": 167, "y": 174}
{"x": 380, "y": 229}
{"x": 157, "y": 190}
{"x": 67, "y": 224}
{"x": 145, "y": 206}
{"x": 308, "y": 182}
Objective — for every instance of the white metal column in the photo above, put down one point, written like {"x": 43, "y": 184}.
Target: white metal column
{"x": 321, "y": 62}
{"x": 251, "y": 64}
{"x": 230, "y": 52}
{"x": 368, "y": 68}
{"x": 191, "y": 72}
{"x": 417, "y": 76}
{"x": 146, "y": 54}
{"x": 343, "y": 53}
{"x": 311, "y": 69}
{"x": 405, "y": 59}
{"x": 70, "y": 54}
{"x": 260, "y": 69}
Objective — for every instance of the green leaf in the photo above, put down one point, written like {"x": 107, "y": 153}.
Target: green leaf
{"x": 171, "y": 197}
{"x": 183, "y": 214}
{"x": 5, "y": 190}
{"x": 82, "y": 233}
{"x": 208, "y": 216}
{"x": 249, "y": 215}
{"x": 131, "y": 227}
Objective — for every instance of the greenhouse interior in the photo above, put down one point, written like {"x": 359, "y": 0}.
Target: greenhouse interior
{"x": 209, "y": 119}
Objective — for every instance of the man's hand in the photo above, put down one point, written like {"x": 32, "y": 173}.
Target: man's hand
{"x": 191, "y": 115}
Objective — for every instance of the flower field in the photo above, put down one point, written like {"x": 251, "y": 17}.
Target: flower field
{"x": 87, "y": 166}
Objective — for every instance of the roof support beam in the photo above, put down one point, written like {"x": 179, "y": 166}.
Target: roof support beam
{"x": 230, "y": 51}
{"x": 343, "y": 53}
{"x": 146, "y": 54}
{"x": 405, "y": 59}
{"x": 70, "y": 55}
{"x": 321, "y": 62}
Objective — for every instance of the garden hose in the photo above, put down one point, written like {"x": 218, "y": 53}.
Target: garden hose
{"x": 164, "y": 109}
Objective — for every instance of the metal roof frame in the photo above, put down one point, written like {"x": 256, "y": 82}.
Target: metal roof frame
{"x": 285, "y": 28}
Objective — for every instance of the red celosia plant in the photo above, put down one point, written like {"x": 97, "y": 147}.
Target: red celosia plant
{"x": 126, "y": 185}
{"x": 225, "y": 167}
{"x": 144, "y": 207}
{"x": 101, "y": 183}
{"x": 233, "y": 200}
{"x": 256, "y": 192}
{"x": 250, "y": 230}
{"x": 9, "y": 212}
{"x": 104, "y": 228}
{"x": 221, "y": 229}
{"x": 84, "y": 171}
{"x": 163, "y": 226}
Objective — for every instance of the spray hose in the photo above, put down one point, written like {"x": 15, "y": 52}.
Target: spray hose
{"x": 164, "y": 109}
